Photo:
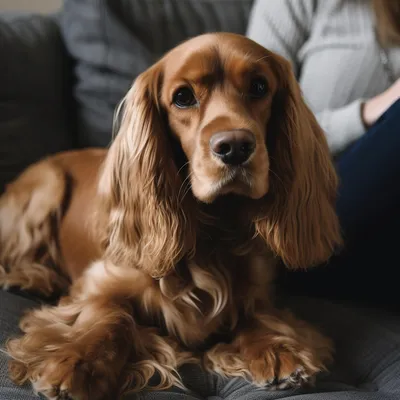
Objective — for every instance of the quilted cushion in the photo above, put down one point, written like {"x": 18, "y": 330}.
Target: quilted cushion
{"x": 366, "y": 367}
{"x": 367, "y": 361}
{"x": 33, "y": 113}
{"x": 115, "y": 40}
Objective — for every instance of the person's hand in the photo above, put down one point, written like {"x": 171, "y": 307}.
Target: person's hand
{"x": 375, "y": 107}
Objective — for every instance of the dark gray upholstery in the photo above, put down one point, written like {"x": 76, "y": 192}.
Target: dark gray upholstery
{"x": 367, "y": 361}
{"x": 111, "y": 42}
{"x": 11, "y": 310}
{"x": 34, "y": 88}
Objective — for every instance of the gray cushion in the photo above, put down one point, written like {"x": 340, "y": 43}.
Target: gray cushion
{"x": 33, "y": 114}
{"x": 11, "y": 310}
{"x": 367, "y": 361}
{"x": 115, "y": 40}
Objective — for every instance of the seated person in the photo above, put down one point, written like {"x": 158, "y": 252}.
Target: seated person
{"x": 346, "y": 55}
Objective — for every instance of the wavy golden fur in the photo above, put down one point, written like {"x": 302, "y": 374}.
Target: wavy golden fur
{"x": 218, "y": 171}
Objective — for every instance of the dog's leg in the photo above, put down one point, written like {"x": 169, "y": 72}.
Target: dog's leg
{"x": 34, "y": 278}
{"x": 29, "y": 211}
{"x": 90, "y": 347}
{"x": 73, "y": 351}
{"x": 273, "y": 351}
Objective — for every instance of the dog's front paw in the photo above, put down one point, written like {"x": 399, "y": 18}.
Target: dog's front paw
{"x": 298, "y": 378}
{"x": 66, "y": 375}
{"x": 74, "y": 351}
{"x": 280, "y": 370}
{"x": 285, "y": 367}
{"x": 70, "y": 377}
{"x": 65, "y": 370}
{"x": 290, "y": 364}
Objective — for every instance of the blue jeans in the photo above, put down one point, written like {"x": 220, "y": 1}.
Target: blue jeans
{"x": 368, "y": 207}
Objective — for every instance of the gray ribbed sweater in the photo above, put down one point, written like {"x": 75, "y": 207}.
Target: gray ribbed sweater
{"x": 332, "y": 47}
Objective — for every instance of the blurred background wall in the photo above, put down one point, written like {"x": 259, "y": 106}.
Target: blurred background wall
{"x": 42, "y": 6}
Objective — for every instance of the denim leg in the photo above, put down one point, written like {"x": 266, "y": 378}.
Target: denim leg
{"x": 369, "y": 176}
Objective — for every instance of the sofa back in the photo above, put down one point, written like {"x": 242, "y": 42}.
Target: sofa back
{"x": 113, "y": 41}
{"x": 36, "y": 114}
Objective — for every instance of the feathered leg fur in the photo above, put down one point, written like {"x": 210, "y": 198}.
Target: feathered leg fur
{"x": 29, "y": 211}
{"x": 91, "y": 346}
{"x": 273, "y": 350}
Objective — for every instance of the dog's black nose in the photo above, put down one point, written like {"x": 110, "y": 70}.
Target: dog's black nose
{"x": 233, "y": 147}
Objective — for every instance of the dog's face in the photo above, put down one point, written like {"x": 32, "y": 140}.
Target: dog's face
{"x": 217, "y": 92}
{"x": 235, "y": 111}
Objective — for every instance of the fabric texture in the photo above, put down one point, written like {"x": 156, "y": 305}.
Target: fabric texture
{"x": 367, "y": 360}
{"x": 328, "y": 35}
{"x": 12, "y": 308}
{"x": 113, "y": 41}
{"x": 34, "y": 82}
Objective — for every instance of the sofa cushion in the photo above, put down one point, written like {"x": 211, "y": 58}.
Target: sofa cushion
{"x": 366, "y": 367}
{"x": 33, "y": 111}
{"x": 115, "y": 40}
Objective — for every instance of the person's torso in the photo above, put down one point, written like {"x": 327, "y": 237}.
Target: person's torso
{"x": 341, "y": 60}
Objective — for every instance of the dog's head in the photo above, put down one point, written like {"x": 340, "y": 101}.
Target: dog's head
{"x": 217, "y": 115}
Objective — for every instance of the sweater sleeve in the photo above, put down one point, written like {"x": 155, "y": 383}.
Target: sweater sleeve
{"x": 283, "y": 26}
{"x": 342, "y": 126}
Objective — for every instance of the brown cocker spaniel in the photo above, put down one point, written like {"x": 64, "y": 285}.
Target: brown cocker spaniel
{"x": 218, "y": 172}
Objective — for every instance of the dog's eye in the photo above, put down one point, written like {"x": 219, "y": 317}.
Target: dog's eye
{"x": 184, "y": 98}
{"x": 258, "y": 88}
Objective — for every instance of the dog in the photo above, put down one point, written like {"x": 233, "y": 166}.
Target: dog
{"x": 218, "y": 174}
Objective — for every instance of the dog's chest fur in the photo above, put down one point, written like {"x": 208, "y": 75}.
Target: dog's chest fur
{"x": 228, "y": 276}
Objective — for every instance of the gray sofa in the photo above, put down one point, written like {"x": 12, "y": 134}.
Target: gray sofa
{"x": 60, "y": 79}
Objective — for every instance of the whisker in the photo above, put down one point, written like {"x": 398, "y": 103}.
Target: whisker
{"x": 186, "y": 186}
{"x": 183, "y": 185}
{"x": 183, "y": 166}
{"x": 189, "y": 186}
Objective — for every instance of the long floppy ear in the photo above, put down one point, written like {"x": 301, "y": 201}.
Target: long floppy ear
{"x": 148, "y": 224}
{"x": 299, "y": 221}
